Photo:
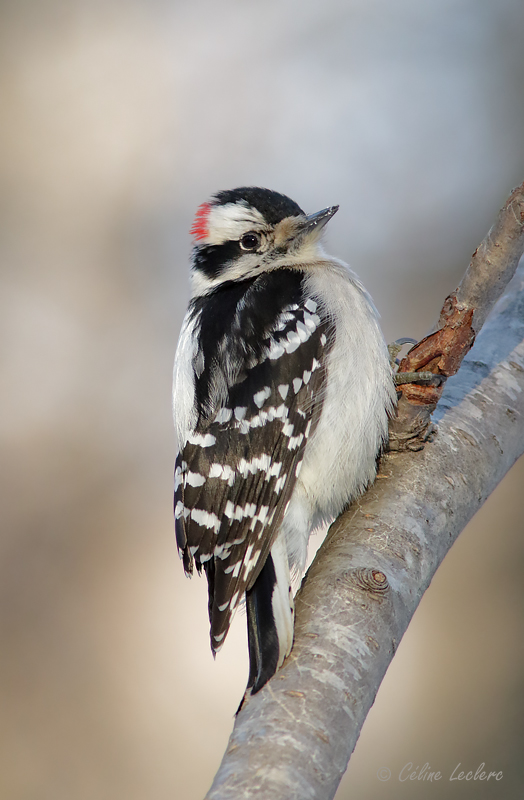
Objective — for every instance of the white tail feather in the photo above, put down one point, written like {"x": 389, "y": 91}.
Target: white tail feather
{"x": 282, "y": 599}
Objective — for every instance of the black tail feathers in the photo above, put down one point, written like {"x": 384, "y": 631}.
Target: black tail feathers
{"x": 262, "y": 633}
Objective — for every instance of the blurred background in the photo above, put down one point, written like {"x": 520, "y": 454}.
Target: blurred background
{"x": 118, "y": 118}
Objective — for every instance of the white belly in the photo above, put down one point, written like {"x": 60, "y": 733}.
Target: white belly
{"x": 340, "y": 459}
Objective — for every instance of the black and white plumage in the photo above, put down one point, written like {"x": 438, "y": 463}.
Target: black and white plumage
{"x": 282, "y": 390}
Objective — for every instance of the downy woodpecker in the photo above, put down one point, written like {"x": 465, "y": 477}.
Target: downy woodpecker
{"x": 282, "y": 391}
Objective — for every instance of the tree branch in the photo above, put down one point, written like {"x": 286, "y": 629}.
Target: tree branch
{"x": 462, "y": 316}
{"x": 293, "y": 739}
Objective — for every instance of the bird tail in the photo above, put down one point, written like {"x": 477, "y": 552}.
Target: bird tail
{"x": 270, "y": 611}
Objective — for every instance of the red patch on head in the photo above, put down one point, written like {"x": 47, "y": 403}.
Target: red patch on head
{"x": 199, "y": 227}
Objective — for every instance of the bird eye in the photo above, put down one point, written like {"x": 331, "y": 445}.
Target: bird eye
{"x": 250, "y": 241}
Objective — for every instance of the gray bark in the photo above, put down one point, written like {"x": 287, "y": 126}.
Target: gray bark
{"x": 294, "y": 738}
{"x": 494, "y": 261}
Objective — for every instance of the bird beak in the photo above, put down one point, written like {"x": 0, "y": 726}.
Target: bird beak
{"x": 293, "y": 232}
{"x": 309, "y": 228}
{"x": 315, "y": 222}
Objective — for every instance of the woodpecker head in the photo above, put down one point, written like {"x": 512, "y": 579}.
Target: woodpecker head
{"x": 242, "y": 232}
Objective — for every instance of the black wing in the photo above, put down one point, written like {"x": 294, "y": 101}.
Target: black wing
{"x": 259, "y": 395}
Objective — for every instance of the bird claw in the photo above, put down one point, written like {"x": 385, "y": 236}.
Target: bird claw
{"x": 413, "y": 437}
{"x": 420, "y": 378}
{"x": 395, "y": 347}
{"x": 425, "y": 387}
